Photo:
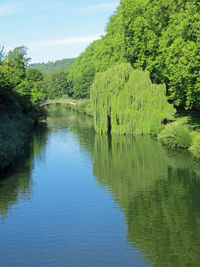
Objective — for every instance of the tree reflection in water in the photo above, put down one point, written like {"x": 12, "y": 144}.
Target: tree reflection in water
{"x": 17, "y": 183}
{"x": 158, "y": 191}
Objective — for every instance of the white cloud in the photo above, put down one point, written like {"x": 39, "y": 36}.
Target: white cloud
{"x": 8, "y": 9}
{"x": 51, "y": 50}
{"x": 104, "y": 7}
{"x": 98, "y": 8}
{"x": 61, "y": 42}
{"x": 57, "y": 42}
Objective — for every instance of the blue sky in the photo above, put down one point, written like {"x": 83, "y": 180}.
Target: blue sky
{"x": 53, "y": 29}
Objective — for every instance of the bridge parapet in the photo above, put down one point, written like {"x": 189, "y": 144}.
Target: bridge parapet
{"x": 49, "y": 102}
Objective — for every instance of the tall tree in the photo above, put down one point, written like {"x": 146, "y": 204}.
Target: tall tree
{"x": 99, "y": 56}
{"x": 163, "y": 36}
{"x": 17, "y": 60}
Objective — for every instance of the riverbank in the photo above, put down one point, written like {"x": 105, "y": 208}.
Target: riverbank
{"x": 83, "y": 106}
{"x": 15, "y": 128}
{"x": 183, "y": 132}
{"x": 110, "y": 179}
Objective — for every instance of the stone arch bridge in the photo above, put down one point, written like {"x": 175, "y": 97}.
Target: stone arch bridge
{"x": 49, "y": 102}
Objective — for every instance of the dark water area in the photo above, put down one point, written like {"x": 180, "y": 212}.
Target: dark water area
{"x": 81, "y": 199}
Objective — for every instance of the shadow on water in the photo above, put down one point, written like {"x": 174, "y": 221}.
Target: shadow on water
{"x": 158, "y": 191}
{"x": 16, "y": 184}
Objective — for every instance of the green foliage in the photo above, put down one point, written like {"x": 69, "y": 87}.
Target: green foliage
{"x": 17, "y": 61}
{"x": 12, "y": 72}
{"x": 32, "y": 91}
{"x": 195, "y": 147}
{"x": 2, "y": 54}
{"x": 6, "y": 84}
{"x": 142, "y": 33}
{"x": 21, "y": 92}
{"x": 172, "y": 56}
{"x": 99, "y": 56}
{"x": 82, "y": 72}
{"x": 57, "y": 85}
{"x": 51, "y": 67}
{"x": 14, "y": 129}
{"x": 125, "y": 102}
{"x": 175, "y": 136}
{"x": 83, "y": 106}
{"x": 34, "y": 75}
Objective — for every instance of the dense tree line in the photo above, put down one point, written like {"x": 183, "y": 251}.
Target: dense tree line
{"x": 19, "y": 86}
{"x": 26, "y": 88}
{"x": 52, "y": 67}
{"x": 160, "y": 36}
{"x": 163, "y": 37}
{"x": 57, "y": 85}
{"x": 21, "y": 93}
{"x": 99, "y": 56}
{"x": 50, "y": 85}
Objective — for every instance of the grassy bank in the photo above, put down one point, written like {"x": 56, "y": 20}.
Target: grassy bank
{"x": 183, "y": 133}
{"x": 83, "y": 106}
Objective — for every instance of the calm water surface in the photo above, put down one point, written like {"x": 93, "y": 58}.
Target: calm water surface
{"x": 81, "y": 199}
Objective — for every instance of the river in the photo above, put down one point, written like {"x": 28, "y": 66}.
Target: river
{"x": 80, "y": 199}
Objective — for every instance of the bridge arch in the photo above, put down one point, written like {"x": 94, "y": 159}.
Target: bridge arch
{"x": 49, "y": 102}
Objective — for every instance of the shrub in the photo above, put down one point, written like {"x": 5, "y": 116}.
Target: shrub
{"x": 83, "y": 106}
{"x": 195, "y": 148}
{"x": 175, "y": 136}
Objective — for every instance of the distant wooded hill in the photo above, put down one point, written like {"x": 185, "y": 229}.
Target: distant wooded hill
{"x": 52, "y": 67}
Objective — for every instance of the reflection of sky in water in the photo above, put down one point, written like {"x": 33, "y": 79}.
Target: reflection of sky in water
{"x": 81, "y": 199}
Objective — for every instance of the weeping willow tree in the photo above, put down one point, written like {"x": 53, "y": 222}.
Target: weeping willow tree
{"x": 125, "y": 101}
